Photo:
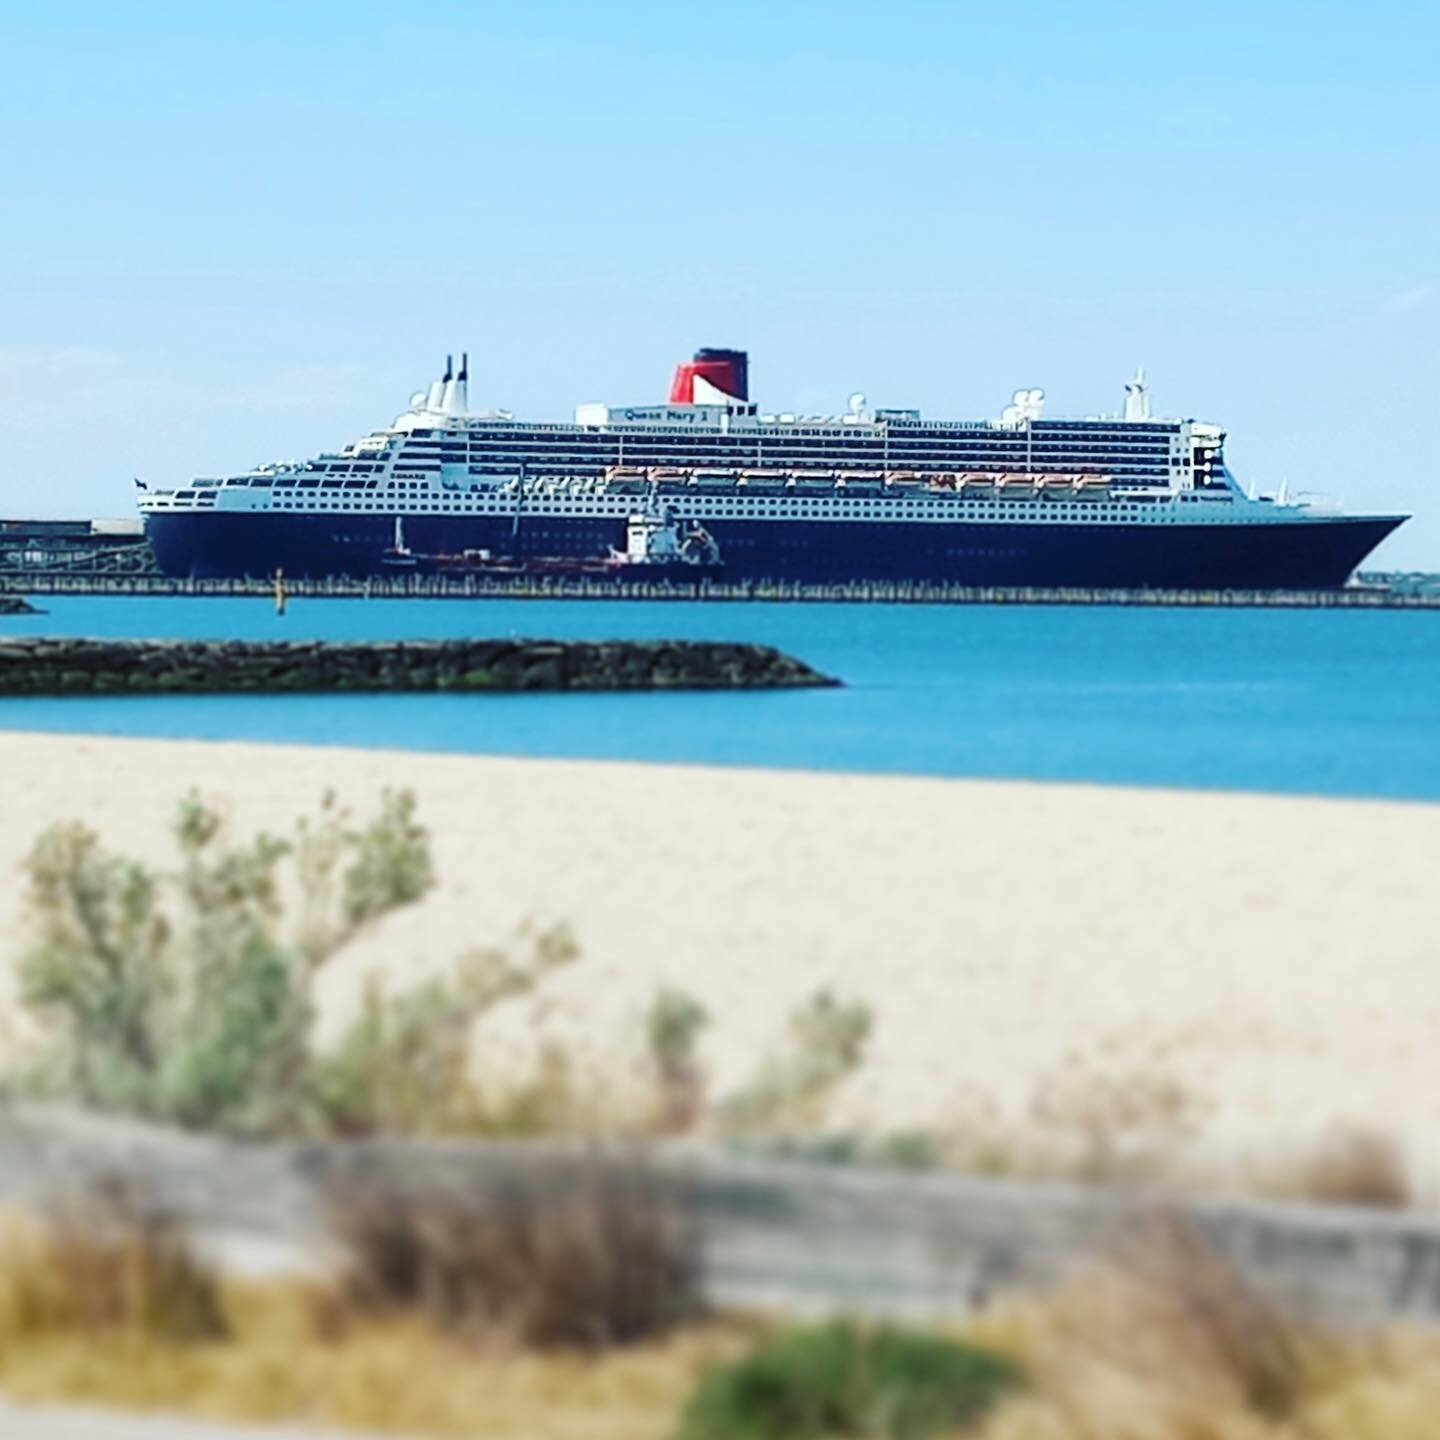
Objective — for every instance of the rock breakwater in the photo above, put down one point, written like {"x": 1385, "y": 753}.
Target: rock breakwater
{"x": 62, "y": 666}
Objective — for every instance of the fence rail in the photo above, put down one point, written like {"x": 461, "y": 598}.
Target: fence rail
{"x": 782, "y": 1235}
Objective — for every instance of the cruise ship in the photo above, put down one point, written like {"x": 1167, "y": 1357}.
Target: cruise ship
{"x": 707, "y": 484}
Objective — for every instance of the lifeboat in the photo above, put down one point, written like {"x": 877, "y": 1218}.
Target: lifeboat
{"x": 716, "y": 479}
{"x": 812, "y": 480}
{"x": 902, "y": 480}
{"x": 765, "y": 482}
{"x": 625, "y": 477}
{"x": 1092, "y": 487}
{"x": 862, "y": 482}
{"x": 977, "y": 485}
{"x": 1016, "y": 487}
{"x": 664, "y": 477}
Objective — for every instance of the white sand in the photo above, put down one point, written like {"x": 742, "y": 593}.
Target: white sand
{"x": 1275, "y": 962}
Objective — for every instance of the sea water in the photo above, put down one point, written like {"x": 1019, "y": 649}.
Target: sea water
{"x": 1336, "y": 702}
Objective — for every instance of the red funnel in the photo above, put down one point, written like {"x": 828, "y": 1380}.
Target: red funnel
{"x": 727, "y": 370}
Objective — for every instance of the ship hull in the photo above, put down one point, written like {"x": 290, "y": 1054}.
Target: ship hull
{"x": 1312, "y": 553}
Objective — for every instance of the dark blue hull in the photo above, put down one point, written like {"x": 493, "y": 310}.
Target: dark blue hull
{"x": 1306, "y": 554}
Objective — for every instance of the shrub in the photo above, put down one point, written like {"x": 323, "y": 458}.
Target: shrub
{"x": 673, "y": 1030}
{"x": 588, "y": 1250}
{"x": 391, "y": 865}
{"x": 98, "y": 973}
{"x": 1119, "y": 1122}
{"x": 404, "y": 1063}
{"x": 1353, "y": 1167}
{"x": 180, "y": 995}
{"x": 842, "y": 1379}
{"x": 827, "y": 1039}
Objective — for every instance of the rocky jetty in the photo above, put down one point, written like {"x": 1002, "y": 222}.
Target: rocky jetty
{"x": 59, "y": 666}
{"x": 16, "y": 605}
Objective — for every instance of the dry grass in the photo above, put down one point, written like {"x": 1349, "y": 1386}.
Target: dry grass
{"x": 1165, "y": 1342}
{"x": 1168, "y": 1342}
{"x": 437, "y": 1334}
{"x": 393, "y": 1375}
{"x": 108, "y": 1262}
{"x": 1348, "y": 1167}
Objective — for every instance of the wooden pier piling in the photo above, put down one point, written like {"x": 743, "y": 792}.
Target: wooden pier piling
{"x": 888, "y": 592}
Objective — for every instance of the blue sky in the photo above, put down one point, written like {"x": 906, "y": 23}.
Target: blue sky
{"x": 235, "y": 233}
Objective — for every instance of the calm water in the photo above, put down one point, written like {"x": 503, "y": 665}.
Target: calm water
{"x": 1331, "y": 702}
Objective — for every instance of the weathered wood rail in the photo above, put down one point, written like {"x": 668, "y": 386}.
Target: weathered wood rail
{"x": 778, "y": 1235}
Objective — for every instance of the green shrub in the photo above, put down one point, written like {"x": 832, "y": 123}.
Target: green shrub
{"x": 672, "y": 1031}
{"x": 184, "y": 995}
{"x": 843, "y": 1379}
{"x": 404, "y": 1063}
{"x": 98, "y": 974}
{"x": 827, "y": 1040}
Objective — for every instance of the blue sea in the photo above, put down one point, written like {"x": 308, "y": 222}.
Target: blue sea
{"x": 1340, "y": 702}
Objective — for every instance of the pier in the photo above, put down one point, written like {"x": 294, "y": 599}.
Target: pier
{"x": 1378, "y": 596}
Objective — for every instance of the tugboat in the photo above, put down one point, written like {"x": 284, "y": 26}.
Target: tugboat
{"x": 656, "y": 548}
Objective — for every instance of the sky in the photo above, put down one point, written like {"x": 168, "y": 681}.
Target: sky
{"x": 235, "y": 233}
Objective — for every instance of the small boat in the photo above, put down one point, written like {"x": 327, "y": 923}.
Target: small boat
{"x": 1016, "y": 487}
{"x": 626, "y": 477}
{"x": 769, "y": 482}
{"x": 810, "y": 480}
{"x": 716, "y": 479}
{"x": 1056, "y": 487}
{"x": 658, "y": 545}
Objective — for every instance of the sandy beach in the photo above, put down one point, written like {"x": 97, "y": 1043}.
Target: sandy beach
{"x": 1228, "y": 976}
